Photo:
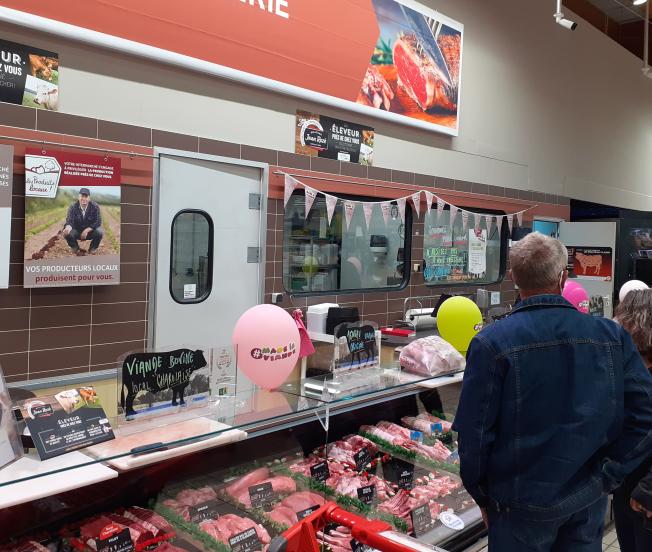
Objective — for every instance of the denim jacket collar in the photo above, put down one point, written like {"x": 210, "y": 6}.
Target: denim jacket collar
{"x": 542, "y": 301}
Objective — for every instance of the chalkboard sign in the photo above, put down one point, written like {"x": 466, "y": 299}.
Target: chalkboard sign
{"x": 445, "y": 264}
{"x": 247, "y": 541}
{"x": 362, "y": 458}
{"x": 357, "y": 346}
{"x": 320, "y": 472}
{"x": 367, "y": 494}
{"x": 421, "y": 519}
{"x": 154, "y": 381}
{"x": 202, "y": 512}
{"x": 400, "y": 472}
{"x": 261, "y": 495}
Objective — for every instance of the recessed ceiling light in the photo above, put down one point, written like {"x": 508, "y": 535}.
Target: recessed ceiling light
{"x": 639, "y": 2}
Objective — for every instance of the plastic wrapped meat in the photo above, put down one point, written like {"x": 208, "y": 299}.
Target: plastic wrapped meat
{"x": 425, "y": 423}
{"x": 229, "y": 525}
{"x": 188, "y": 498}
{"x": 431, "y": 356}
{"x": 239, "y": 489}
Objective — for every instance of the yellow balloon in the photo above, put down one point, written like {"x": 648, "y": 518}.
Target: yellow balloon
{"x": 458, "y": 320}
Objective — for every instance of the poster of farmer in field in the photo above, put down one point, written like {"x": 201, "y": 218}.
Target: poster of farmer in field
{"x": 72, "y": 220}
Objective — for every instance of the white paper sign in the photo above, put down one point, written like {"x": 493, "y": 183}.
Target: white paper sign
{"x": 6, "y": 190}
{"x": 477, "y": 252}
{"x": 290, "y": 185}
{"x": 331, "y": 203}
{"x": 190, "y": 291}
{"x": 42, "y": 174}
{"x": 451, "y": 521}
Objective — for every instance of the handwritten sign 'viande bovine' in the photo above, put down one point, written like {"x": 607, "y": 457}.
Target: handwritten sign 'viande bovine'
{"x": 157, "y": 380}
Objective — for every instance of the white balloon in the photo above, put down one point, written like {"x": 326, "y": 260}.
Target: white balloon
{"x": 631, "y": 286}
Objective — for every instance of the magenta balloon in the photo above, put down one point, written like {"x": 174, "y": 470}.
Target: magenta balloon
{"x": 577, "y": 297}
{"x": 572, "y": 284}
{"x": 267, "y": 342}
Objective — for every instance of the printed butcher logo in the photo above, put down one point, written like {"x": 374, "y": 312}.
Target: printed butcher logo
{"x": 156, "y": 372}
{"x": 274, "y": 353}
{"x": 589, "y": 261}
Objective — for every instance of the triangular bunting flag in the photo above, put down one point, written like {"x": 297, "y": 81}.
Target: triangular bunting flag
{"x": 349, "y": 208}
{"x": 510, "y": 223}
{"x": 368, "y": 210}
{"x": 290, "y": 185}
{"x": 416, "y": 199}
{"x": 465, "y": 220}
{"x": 429, "y": 196}
{"x": 440, "y": 208}
{"x": 499, "y": 225}
{"x": 331, "y": 203}
{"x": 386, "y": 209}
{"x": 401, "y": 208}
{"x": 519, "y": 218}
{"x": 311, "y": 194}
{"x": 453, "y": 215}
{"x": 488, "y": 219}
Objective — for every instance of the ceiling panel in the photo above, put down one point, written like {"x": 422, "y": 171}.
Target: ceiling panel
{"x": 621, "y": 11}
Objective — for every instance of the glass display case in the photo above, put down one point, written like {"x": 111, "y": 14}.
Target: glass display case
{"x": 257, "y": 464}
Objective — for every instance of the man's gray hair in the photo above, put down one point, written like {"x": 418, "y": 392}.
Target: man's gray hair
{"x": 537, "y": 262}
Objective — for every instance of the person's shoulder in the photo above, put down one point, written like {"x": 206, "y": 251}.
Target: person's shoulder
{"x": 607, "y": 326}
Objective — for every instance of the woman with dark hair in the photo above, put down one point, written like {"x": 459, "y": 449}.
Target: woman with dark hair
{"x": 633, "y": 501}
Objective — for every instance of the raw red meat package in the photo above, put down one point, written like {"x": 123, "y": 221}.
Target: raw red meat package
{"x": 431, "y": 356}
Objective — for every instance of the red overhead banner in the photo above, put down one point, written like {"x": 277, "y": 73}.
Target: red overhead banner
{"x": 393, "y": 58}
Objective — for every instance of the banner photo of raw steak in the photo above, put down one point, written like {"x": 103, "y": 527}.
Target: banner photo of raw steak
{"x": 415, "y": 69}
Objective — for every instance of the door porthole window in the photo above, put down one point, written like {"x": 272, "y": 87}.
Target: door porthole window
{"x": 191, "y": 256}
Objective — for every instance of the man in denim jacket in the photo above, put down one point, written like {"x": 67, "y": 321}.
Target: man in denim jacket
{"x": 556, "y": 409}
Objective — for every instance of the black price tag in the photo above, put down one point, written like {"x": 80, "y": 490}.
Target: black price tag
{"x": 203, "y": 511}
{"x": 303, "y": 514}
{"x": 421, "y": 519}
{"x": 117, "y": 542}
{"x": 320, "y": 472}
{"x": 359, "y": 547}
{"x": 401, "y": 473}
{"x": 367, "y": 494}
{"x": 261, "y": 495}
{"x": 247, "y": 541}
{"x": 362, "y": 458}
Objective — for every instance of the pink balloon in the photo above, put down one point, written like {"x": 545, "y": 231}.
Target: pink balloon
{"x": 572, "y": 284}
{"x": 267, "y": 342}
{"x": 576, "y": 295}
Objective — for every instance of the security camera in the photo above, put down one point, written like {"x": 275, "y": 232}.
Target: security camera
{"x": 566, "y": 23}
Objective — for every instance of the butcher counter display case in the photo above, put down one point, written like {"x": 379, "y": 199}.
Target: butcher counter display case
{"x": 381, "y": 454}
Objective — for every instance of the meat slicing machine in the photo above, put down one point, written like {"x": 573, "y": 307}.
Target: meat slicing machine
{"x": 374, "y": 534}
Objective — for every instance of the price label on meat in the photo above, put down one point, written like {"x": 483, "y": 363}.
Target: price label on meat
{"x": 320, "y": 472}
{"x": 362, "y": 458}
{"x": 367, "y": 494}
{"x": 261, "y": 495}
{"x": 401, "y": 473}
{"x": 115, "y": 539}
{"x": 450, "y": 520}
{"x": 305, "y": 513}
{"x": 202, "y": 512}
{"x": 247, "y": 541}
{"x": 421, "y": 520}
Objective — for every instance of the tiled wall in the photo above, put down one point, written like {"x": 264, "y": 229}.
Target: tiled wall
{"x": 55, "y": 332}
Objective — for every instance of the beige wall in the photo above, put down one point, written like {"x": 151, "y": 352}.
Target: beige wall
{"x": 543, "y": 109}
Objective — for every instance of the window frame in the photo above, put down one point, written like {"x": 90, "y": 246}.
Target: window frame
{"x": 505, "y": 237}
{"x": 209, "y": 270}
{"x": 407, "y": 251}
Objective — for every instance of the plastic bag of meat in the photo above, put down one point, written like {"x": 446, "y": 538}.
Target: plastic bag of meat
{"x": 431, "y": 356}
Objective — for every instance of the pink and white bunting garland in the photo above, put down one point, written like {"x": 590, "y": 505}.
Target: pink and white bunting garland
{"x": 488, "y": 219}
{"x": 311, "y": 194}
{"x": 368, "y": 209}
{"x": 465, "y": 220}
{"x": 349, "y": 208}
{"x": 290, "y": 185}
{"x": 429, "y": 196}
{"x": 331, "y": 203}
{"x": 440, "y": 208}
{"x": 416, "y": 199}
{"x": 401, "y": 207}
{"x": 499, "y": 225}
{"x": 510, "y": 223}
{"x": 519, "y": 218}
{"x": 386, "y": 209}
{"x": 454, "y": 211}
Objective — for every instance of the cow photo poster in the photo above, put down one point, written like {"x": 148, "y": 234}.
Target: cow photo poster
{"x": 29, "y": 76}
{"x": 593, "y": 263}
{"x": 163, "y": 382}
{"x": 72, "y": 219}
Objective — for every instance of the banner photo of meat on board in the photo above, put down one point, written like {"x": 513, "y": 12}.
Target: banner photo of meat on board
{"x": 321, "y": 136}
{"x": 72, "y": 219}
{"x": 29, "y": 76}
{"x": 393, "y": 59}
{"x": 593, "y": 263}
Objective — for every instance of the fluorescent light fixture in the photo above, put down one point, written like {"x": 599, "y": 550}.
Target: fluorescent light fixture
{"x": 639, "y": 2}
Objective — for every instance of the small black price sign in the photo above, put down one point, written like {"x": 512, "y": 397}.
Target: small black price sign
{"x": 303, "y": 514}
{"x": 261, "y": 495}
{"x": 247, "y": 541}
{"x": 421, "y": 519}
{"x": 367, "y": 494}
{"x": 401, "y": 473}
{"x": 202, "y": 512}
{"x": 362, "y": 458}
{"x": 320, "y": 472}
{"x": 359, "y": 547}
{"x": 117, "y": 542}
